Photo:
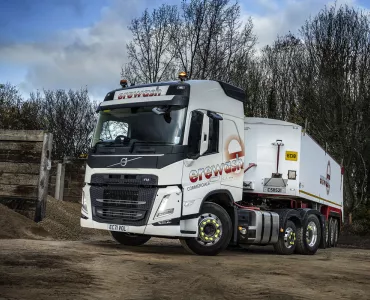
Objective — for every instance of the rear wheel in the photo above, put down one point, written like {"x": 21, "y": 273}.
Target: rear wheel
{"x": 129, "y": 239}
{"x": 336, "y": 232}
{"x": 287, "y": 242}
{"x": 327, "y": 233}
{"x": 309, "y": 236}
{"x": 332, "y": 232}
{"x": 214, "y": 231}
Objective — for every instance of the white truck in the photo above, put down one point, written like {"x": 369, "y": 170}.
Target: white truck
{"x": 180, "y": 160}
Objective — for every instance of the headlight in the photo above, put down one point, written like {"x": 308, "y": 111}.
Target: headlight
{"x": 162, "y": 211}
{"x": 84, "y": 203}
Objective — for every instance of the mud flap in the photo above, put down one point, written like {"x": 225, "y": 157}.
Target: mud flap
{"x": 323, "y": 232}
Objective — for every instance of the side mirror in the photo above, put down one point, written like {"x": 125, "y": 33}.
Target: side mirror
{"x": 214, "y": 116}
{"x": 159, "y": 110}
{"x": 205, "y": 135}
{"x": 198, "y": 135}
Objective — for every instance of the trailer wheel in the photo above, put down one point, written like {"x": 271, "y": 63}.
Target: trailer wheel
{"x": 336, "y": 232}
{"x": 308, "y": 236}
{"x": 332, "y": 232}
{"x": 129, "y": 239}
{"x": 327, "y": 233}
{"x": 215, "y": 231}
{"x": 287, "y": 242}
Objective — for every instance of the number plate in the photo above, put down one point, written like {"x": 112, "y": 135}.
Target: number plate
{"x": 274, "y": 190}
{"x": 114, "y": 227}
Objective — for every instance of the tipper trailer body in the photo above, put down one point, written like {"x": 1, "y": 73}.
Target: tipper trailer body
{"x": 180, "y": 160}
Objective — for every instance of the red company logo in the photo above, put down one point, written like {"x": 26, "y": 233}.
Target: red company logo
{"x": 234, "y": 166}
{"x": 143, "y": 93}
{"x": 233, "y": 152}
{"x": 326, "y": 180}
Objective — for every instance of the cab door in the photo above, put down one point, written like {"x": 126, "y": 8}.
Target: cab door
{"x": 203, "y": 167}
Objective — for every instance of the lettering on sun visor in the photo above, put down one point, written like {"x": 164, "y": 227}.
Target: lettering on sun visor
{"x": 150, "y": 92}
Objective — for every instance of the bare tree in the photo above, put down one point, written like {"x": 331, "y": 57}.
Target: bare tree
{"x": 150, "y": 60}
{"x": 209, "y": 39}
{"x": 70, "y": 116}
{"x": 15, "y": 112}
{"x": 204, "y": 38}
{"x": 10, "y": 101}
{"x": 336, "y": 72}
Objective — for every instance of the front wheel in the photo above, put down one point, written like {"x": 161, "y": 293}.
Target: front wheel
{"x": 214, "y": 231}
{"x": 129, "y": 239}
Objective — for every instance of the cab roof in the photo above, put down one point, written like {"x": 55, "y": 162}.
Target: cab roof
{"x": 230, "y": 90}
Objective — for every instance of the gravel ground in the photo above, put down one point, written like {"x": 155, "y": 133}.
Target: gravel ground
{"x": 57, "y": 259}
{"x": 161, "y": 269}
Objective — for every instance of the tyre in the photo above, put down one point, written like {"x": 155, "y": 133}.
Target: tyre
{"x": 336, "y": 232}
{"x": 332, "y": 232}
{"x": 215, "y": 231}
{"x": 327, "y": 233}
{"x": 287, "y": 241}
{"x": 129, "y": 239}
{"x": 309, "y": 236}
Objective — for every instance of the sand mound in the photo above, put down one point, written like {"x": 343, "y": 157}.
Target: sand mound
{"x": 16, "y": 226}
{"x": 63, "y": 221}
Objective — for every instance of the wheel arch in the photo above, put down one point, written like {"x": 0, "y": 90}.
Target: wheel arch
{"x": 220, "y": 197}
{"x": 226, "y": 200}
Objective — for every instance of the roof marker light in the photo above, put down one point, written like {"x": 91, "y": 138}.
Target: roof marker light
{"x": 183, "y": 76}
{"x": 123, "y": 83}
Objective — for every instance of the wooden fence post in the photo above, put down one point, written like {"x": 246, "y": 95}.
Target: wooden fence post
{"x": 45, "y": 167}
{"x": 59, "y": 182}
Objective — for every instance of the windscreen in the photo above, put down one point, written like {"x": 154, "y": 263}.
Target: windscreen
{"x": 141, "y": 124}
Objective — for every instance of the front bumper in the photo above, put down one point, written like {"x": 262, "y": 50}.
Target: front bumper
{"x": 169, "y": 223}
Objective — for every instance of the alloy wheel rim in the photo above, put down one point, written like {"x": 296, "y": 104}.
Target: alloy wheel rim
{"x": 311, "y": 234}
{"x": 289, "y": 237}
{"x": 210, "y": 229}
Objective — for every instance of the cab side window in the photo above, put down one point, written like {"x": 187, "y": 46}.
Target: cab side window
{"x": 214, "y": 130}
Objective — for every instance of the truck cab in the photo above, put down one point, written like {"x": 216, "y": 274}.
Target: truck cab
{"x": 159, "y": 152}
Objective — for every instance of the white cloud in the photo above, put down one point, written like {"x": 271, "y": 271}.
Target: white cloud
{"x": 77, "y": 58}
{"x": 283, "y": 16}
{"x": 93, "y": 56}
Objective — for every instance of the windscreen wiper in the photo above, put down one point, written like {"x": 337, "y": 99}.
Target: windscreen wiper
{"x": 151, "y": 143}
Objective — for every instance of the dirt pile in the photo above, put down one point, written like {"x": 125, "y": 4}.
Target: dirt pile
{"x": 63, "y": 221}
{"x": 16, "y": 226}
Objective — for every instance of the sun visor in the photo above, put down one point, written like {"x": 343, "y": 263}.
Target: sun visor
{"x": 150, "y": 93}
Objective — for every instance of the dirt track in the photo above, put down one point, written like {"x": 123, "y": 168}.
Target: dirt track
{"x": 31, "y": 269}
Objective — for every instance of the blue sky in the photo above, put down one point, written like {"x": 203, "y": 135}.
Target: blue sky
{"x": 76, "y": 43}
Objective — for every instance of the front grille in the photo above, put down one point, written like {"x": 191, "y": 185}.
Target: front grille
{"x": 125, "y": 204}
{"x": 126, "y": 194}
{"x": 120, "y": 202}
{"x": 108, "y": 213}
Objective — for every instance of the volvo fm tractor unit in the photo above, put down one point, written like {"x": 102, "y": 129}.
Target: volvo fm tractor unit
{"x": 180, "y": 160}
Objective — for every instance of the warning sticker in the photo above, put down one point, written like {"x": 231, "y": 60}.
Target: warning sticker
{"x": 291, "y": 155}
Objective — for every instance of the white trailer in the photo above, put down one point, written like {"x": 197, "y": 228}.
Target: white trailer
{"x": 289, "y": 163}
{"x": 179, "y": 160}
{"x": 286, "y": 166}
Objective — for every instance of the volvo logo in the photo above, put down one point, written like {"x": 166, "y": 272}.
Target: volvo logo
{"x": 123, "y": 162}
